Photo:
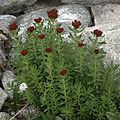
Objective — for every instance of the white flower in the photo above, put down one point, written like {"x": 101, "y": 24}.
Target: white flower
{"x": 22, "y": 87}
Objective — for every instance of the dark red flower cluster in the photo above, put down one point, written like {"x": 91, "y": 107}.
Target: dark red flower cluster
{"x": 13, "y": 26}
{"x": 48, "y": 50}
{"x": 24, "y": 52}
{"x": 38, "y": 20}
{"x": 97, "y": 32}
{"x": 76, "y": 24}
{"x": 63, "y": 72}
{"x": 60, "y": 30}
{"x": 41, "y": 36}
{"x": 96, "y": 51}
{"x": 52, "y": 14}
{"x": 81, "y": 44}
{"x": 31, "y": 29}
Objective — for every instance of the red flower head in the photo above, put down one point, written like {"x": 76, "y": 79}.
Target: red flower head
{"x": 60, "y": 30}
{"x": 97, "y": 32}
{"x": 37, "y": 20}
{"x": 41, "y": 36}
{"x": 63, "y": 72}
{"x": 48, "y": 50}
{"x": 31, "y": 29}
{"x": 76, "y": 24}
{"x": 96, "y": 51}
{"x": 52, "y": 14}
{"x": 13, "y": 26}
{"x": 81, "y": 44}
{"x": 24, "y": 52}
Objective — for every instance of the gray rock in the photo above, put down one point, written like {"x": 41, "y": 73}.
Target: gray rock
{"x": 54, "y": 2}
{"x": 3, "y": 97}
{"x": 67, "y": 13}
{"x": 3, "y": 59}
{"x": 90, "y": 2}
{"x": 5, "y": 116}
{"x": 5, "y": 20}
{"x": 111, "y": 33}
{"x": 15, "y": 6}
{"x": 29, "y": 110}
{"x": 8, "y": 78}
{"x": 106, "y": 13}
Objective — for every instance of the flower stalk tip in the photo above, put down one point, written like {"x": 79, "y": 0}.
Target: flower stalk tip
{"x": 31, "y": 29}
{"x": 38, "y": 20}
{"x": 97, "y": 33}
{"x": 63, "y": 72}
{"x": 41, "y": 36}
{"x": 48, "y": 50}
{"x": 59, "y": 30}
{"x": 52, "y": 14}
{"x": 13, "y": 26}
{"x": 24, "y": 52}
{"x": 76, "y": 24}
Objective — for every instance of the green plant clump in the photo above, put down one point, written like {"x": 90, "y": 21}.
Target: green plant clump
{"x": 65, "y": 78}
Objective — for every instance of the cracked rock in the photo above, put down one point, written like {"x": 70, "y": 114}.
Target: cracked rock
{"x": 3, "y": 97}
{"x": 90, "y": 2}
{"x": 104, "y": 14}
{"x": 8, "y": 78}
{"x": 15, "y": 6}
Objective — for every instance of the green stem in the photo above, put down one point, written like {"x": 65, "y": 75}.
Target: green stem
{"x": 35, "y": 53}
{"x": 95, "y": 71}
{"x": 81, "y": 58}
{"x": 52, "y": 88}
{"x": 26, "y": 62}
{"x": 65, "y": 94}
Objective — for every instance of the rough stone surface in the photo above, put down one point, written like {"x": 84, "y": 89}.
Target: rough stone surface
{"x": 37, "y": 6}
{"x": 5, "y": 47}
{"x": 3, "y": 97}
{"x": 90, "y": 2}
{"x": 3, "y": 59}
{"x": 106, "y": 13}
{"x": 15, "y": 6}
{"x": 5, "y": 20}
{"x": 67, "y": 13}
{"x": 5, "y": 116}
{"x": 8, "y": 78}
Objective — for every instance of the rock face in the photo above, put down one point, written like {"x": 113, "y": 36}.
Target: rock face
{"x": 3, "y": 97}
{"x": 90, "y": 2}
{"x": 15, "y": 6}
{"x": 67, "y": 13}
{"x": 5, "y": 116}
{"x": 104, "y": 14}
{"x": 8, "y": 78}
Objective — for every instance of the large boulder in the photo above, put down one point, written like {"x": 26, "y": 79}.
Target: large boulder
{"x": 104, "y": 14}
{"x": 15, "y": 6}
{"x": 67, "y": 13}
{"x": 3, "y": 97}
{"x": 90, "y": 2}
{"x": 7, "y": 81}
